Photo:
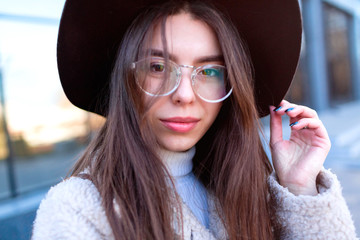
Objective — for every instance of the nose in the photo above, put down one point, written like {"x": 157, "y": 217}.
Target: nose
{"x": 184, "y": 94}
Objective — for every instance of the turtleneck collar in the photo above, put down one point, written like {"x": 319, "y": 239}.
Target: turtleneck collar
{"x": 178, "y": 163}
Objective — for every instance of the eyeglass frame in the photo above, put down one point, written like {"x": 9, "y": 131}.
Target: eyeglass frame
{"x": 179, "y": 77}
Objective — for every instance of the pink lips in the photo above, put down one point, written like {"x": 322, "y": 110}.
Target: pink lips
{"x": 180, "y": 124}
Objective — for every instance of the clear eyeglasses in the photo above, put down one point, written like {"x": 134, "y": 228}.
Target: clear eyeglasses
{"x": 157, "y": 77}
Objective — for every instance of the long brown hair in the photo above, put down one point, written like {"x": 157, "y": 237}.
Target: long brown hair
{"x": 229, "y": 160}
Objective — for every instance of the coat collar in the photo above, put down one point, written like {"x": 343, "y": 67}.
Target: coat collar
{"x": 193, "y": 229}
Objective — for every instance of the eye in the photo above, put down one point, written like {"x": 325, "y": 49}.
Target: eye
{"x": 209, "y": 72}
{"x": 157, "y": 67}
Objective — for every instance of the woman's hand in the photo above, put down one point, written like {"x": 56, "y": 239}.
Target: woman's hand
{"x": 298, "y": 161}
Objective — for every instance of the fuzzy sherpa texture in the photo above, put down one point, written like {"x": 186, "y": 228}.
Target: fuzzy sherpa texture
{"x": 325, "y": 216}
{"x": 72, "y": 210}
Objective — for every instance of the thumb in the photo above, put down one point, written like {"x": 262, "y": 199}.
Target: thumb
{"x": 276, "y": 133}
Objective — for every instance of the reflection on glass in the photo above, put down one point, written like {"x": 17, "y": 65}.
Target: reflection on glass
{"x": 47, "y": 132}
{"x": 4, "y": 185}
{"x": 338, "y": 58}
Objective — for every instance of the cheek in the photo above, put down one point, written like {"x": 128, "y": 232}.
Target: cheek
{"x": 153, "y": 106}
{"x": 212, "y": 110}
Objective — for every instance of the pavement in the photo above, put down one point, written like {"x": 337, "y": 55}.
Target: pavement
{"x": 343, "y": 125}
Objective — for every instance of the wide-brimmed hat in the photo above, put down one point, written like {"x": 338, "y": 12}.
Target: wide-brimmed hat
{"x": 90, "y": 31}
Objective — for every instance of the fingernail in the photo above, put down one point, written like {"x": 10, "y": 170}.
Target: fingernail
{"x": 277, "y": 109}
{"x": 293, "y": 124}
{"x": 289, "y": 109}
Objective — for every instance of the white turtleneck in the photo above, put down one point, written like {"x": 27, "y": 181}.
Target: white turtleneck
{"x": 190, "y": 189}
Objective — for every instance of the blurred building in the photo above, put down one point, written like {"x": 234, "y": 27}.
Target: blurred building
{"x": 42, "y": 134}
{"x": 329, "y": 71}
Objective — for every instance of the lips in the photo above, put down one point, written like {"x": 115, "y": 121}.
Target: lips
{"x": 180, "y": 124}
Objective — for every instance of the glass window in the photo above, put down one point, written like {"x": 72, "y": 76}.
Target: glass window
{"x": 47, "y": 132}
{"x": 338, "y": 55}
{"x": 4, "y": 184}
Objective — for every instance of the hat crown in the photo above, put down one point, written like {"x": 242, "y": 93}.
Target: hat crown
{"x": 89, "y": 37}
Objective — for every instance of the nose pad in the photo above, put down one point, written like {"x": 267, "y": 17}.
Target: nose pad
{"x": 184, "y": 92}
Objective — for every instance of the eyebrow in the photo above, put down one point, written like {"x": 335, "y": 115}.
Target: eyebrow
{"x": 211, "y": 58}
{"x": 203, "y": 59}
{"x": 160, "y": 53}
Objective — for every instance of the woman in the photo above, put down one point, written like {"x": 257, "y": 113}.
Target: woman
{"x": 180, "y": 154}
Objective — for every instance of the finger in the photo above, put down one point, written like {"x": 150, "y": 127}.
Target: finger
{"x": 284, "y": 102}
{"x": 276, "y": 134}
{"x": 313, "y": 124}
{"x": 283, "y": 107}
{"x": 299, "y": 111}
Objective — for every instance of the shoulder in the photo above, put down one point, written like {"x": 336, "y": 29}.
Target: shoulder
{"x": 71, "y": 210}
{"x": 74, "y": 191}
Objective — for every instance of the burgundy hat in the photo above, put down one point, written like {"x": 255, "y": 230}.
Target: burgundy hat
{"x": 90, "y": 31}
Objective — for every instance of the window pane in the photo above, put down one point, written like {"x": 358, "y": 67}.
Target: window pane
{"x": 4, "y": 184}
{"x": 47, "y": 131}
{"x": 338, "y": 58}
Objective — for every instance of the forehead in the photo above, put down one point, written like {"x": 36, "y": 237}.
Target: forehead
{"x": 186, "y": 37}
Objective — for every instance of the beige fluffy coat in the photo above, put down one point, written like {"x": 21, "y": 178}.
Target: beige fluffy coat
{"x": 72, "y": 210}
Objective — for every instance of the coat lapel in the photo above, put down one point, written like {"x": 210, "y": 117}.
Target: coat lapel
{"x": 194, "y": 230}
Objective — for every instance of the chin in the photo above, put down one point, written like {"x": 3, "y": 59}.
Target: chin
{"x": 177, "y": 147}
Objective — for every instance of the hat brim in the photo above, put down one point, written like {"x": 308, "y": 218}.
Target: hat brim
{"x": 90, "y": 32}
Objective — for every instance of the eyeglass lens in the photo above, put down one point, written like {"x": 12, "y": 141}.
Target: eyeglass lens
{"x": 156, "y": 77}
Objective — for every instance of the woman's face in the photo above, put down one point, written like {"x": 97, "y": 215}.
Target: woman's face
{"x": 180, "y": 119}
